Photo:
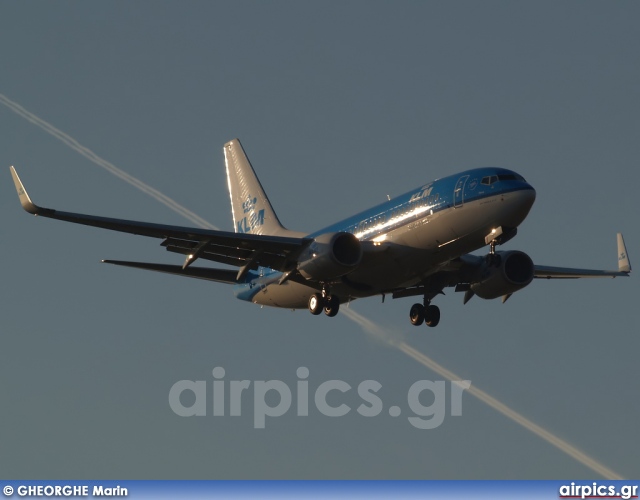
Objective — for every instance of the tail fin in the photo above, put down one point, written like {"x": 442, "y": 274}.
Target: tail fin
{"x": 251, "y": 209}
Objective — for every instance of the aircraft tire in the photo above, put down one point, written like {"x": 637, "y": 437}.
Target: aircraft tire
{"x": 316, "y": 304}
{"x": 432, "y": 316}
{"x": 332, "y": 306}
{"x": 416, "y": 314}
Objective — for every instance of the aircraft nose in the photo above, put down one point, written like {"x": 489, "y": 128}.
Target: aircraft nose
{"x": 527, "y": 197}
{"x": 531, "y": 193}
{"x": 521, "y": 203}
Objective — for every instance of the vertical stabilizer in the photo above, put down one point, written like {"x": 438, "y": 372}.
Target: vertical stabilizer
{"x": 251, "y": 209}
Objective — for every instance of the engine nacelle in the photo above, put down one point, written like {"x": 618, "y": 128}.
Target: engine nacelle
{"x": 504, "y": 273}
{"x": 330, "y": 256}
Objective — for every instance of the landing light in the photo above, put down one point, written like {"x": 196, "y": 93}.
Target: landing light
{"x": 380, "y": 238}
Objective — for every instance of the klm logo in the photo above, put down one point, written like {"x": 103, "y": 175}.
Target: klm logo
{"x": 249, "y": 204}
{"x": 423, "y": 193}
{"x": 251, "y": 222}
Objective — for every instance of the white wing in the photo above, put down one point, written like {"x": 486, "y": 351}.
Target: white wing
{"x": 624, "y": 268}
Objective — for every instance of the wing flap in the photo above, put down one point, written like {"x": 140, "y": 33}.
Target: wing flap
{"x": 231, "y": 255}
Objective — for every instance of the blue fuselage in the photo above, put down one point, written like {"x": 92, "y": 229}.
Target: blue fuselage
{"x": 420, "y": 230}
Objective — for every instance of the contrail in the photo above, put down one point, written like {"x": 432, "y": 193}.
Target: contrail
{"x": 87, "y": 153}
{"x": 367, "y": 325}
{"x": 381, "y": 334}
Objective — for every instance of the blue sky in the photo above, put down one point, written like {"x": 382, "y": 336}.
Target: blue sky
{"x": 338, "y": 104}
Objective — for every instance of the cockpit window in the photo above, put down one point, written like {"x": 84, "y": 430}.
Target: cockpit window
{"x": 487, "y": 181}
{"x": 511, "y": 177}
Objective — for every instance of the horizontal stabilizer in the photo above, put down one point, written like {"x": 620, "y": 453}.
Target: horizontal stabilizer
{"x": 203, "y": 273}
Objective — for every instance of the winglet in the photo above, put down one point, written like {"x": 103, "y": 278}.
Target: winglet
{"x": 25, "y": 201}
{"x": 624, "y": 265}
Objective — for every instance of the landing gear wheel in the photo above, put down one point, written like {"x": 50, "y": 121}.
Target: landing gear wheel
{"x": 332, "y": 305}
{"x": 316, "y": 304}
{"x": 432, "y": 316}
{"x": 416, "y": 314}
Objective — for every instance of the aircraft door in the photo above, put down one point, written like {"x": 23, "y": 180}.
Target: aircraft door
{"x": 458, "y": 192}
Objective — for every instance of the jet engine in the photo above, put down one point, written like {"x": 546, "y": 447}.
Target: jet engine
{"x": 503, "y": 273}
{"x": 330, "y": 256}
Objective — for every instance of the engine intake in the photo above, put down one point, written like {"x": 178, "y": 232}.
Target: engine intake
{"x": 330, "y": 256}
{"x": 504, "y": 273}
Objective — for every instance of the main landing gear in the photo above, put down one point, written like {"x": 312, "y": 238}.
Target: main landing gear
{"x": 321, "y": 301}
{"x": 428, "y": 314}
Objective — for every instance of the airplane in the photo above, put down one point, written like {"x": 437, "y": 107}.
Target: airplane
{"x": 416, "y": 244}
